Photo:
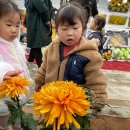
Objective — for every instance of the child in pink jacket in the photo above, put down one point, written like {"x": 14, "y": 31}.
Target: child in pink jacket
{"x": 12, "y": 57}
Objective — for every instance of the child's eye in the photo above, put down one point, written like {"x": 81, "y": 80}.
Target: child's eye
{"x": 75, "y": 28}
{"x": 17, "y": 26}
{"x": 8, "y": 25}
{"x": 64, "y": 29}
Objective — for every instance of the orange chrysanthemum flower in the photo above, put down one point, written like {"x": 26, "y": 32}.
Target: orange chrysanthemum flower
{"x": 60, "y": 101}
{"x": 14, "y": 86}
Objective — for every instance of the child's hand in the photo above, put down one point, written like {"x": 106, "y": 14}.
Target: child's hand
{"x": 37, "y": 87}
{"x": 10, "y": 74}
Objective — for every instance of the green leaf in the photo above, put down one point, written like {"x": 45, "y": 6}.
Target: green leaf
{"x": 15, "y": 113}
{"x": 28, "y": 122}
{"x": 84, "y": 122}
{"x": 86, "y": 125}
{"x": 40, "y": 123}
{"x": 19, "y": 117}
{"x": 72, "y": 127}
{"x": 42, "y": 128}
{"x": 80, "y": 120}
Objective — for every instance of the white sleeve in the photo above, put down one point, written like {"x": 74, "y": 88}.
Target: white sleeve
{"x": 4, "y": 68}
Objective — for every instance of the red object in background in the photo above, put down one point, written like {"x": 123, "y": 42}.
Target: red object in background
{"x": 112, "y": 65}
{"x": 116, "y": 65}
{"x": 27, "y": 56}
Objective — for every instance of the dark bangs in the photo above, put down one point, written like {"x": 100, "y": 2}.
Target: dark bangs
{"x": 7, "y": 7}
{"x": 68, "y": 13}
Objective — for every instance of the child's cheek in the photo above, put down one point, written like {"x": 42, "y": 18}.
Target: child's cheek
{"x": 62, "y": 37}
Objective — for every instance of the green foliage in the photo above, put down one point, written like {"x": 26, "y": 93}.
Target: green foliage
{"x": 14, "y": 113}
{"x": 19, "y": 118}
{"x": 15, "y": 118}
{"x": 84, "y": 122}
{"x": 42, "y": 123}
{"x": 28, "y": 123}
{"x": 47, "y": 128}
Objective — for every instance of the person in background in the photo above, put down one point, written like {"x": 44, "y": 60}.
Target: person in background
{"x": 95, "y": 30}
{"x": 23, "y": 38}
{"x": 89, "y": 6}
{"x": 23, "y": 42}
{"x": 26, "y": 3}
{"x": 12, "y": 56}
{"x": 71, "y": 57}
{"x": 92, "y": 4}
{"x": 38, "y": 27}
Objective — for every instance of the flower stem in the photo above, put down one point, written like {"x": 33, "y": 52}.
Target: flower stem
{"x": 20, "y": 111}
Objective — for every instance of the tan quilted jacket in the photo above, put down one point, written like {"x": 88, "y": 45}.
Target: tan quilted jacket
{"x": 50, "y": 71}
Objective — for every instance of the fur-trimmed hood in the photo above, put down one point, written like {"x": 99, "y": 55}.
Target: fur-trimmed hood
{"x": 84, "y": 44}
{"x": 53, "y": 69}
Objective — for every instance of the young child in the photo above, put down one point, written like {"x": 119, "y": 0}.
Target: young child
{"x": 71, "y": 57}
{"x": 23, "y": 40}
{"x": 12, "y": 57}
{"x": 94, "y": 30}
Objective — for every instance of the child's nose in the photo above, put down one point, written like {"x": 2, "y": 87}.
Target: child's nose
{"x": 70, "y": 32}
{"x": 14, "y": 29}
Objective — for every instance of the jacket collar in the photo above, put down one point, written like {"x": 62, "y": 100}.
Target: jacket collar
{"x": 84, "y": 44}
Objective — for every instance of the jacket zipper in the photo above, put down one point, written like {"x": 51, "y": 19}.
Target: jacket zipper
{"x": 58, "y": 70}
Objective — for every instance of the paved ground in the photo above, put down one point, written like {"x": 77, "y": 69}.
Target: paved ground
{"x": 118, "y": 91}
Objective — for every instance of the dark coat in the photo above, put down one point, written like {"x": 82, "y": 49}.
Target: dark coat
{"x": 97, "y": 35}
{"x": 38, "y": 14}
{"x": 74, "y": 67}
{"x": 91, "y": 3}
{"x": 90, "y": 6}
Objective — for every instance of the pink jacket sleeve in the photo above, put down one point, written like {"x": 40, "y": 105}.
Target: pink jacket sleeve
{"x": 4, "y": 68}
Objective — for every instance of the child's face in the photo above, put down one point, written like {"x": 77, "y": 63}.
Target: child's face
{"x": 92, "y": 24}
{"x": 9, "y": 26}
{"x": 24, "y": 40}
{"x": 70, "y": 34}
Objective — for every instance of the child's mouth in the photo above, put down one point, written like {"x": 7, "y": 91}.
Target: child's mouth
{"x": 70, "y": 40}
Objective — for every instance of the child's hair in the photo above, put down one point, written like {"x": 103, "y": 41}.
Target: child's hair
{"x": 68, "y": 12}
{"x": 8, "y": 6}
{"x": 100, "y": 22}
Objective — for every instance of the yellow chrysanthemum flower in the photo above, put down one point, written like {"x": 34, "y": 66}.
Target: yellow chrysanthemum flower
{"x": 113, "y": 8}
{"x": 126, "y": 5}
{"x": 120, "y": 1}
{"x": 118, "y": 9}
{"x": 113, "y": 3}
{"x": 129, "y": 22}
{"x": 60, "y": 101}
{"x": 14, "y": 86}
{"x": 118, "y": 20}
{"x": 123, "y": 10}
{"x": 117, "y": 1}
